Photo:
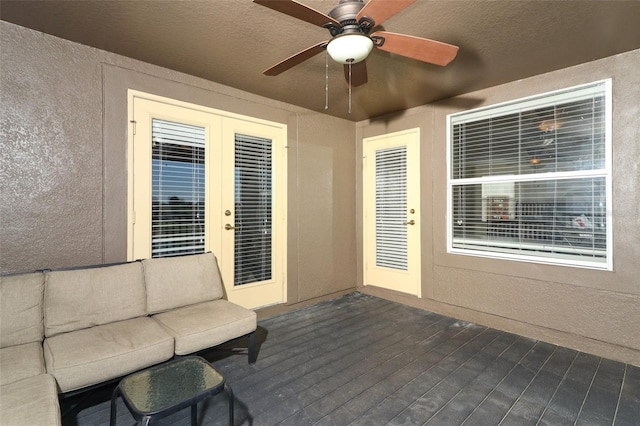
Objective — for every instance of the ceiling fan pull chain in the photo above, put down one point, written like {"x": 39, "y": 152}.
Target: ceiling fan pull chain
{"x": 350, "y": 62}
{"x": 326, "y": 80}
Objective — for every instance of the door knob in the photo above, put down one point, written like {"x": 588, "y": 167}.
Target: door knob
{"x": 411, "y": 222}
{"x": 229, "y": 227}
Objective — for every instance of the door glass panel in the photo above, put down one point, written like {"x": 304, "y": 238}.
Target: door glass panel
{"x": 253, "y": 206}
{"x": 391, "y": 208}
{"x": 178, "y": 192}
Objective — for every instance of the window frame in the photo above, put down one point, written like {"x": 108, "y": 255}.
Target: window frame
{"x": 499, "y": 251}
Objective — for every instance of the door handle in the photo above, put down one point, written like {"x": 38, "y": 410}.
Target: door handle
{"x": 411, "y": 222}
{"x": 229, "y": 227}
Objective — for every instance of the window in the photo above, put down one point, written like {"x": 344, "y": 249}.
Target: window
{"x": 178, "y": 197}
{"x": 531, "y": 179}
{"x": 253, "y": 193}
{"x": 391, "y": 207}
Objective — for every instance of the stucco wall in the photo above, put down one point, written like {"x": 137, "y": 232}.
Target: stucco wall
{"x": 51, "y": 208}
{"x": 63, "y": 178}
{"x": 63, "y": 190}
{"x": 591, "y": 310}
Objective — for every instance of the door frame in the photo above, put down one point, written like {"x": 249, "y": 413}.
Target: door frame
{"x": 279, "y": 184}
{"x": 413, "y": 275}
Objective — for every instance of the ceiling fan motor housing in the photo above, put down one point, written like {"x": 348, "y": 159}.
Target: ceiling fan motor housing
{"x": 345, "y": 13}
{"x": 346, "y": 9}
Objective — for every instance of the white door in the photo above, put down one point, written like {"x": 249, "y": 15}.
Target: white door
{"x": 203, "y": 181}
{"x": 253, "y": 213}
{"x": 391, "y": 189}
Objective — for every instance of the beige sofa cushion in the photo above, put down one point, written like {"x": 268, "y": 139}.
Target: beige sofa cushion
{"x": 207, "y": 324}
{"x": 94, "y": 355}
{"x": 21, "y": 309}
{"x": 30, "y": 402}
{"x": 82, "y": 298}
{"x": 173, "y": 282}
{"x": 21, "y": 361}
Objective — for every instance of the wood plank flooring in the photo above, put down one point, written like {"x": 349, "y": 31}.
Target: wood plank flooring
{"x": 362, "y": 360}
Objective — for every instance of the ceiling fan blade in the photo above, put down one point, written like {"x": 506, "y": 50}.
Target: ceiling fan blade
{"x": 422, "y": 49}
{"x": 381, "y": 10}
{"x": 298, "y": 10}
{"x": 358, "y": 73}
{"x": 296, "y": 59}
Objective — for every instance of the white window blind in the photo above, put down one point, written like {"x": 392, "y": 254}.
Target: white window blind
{"x": 530, "y": 179}
{"x": 178, "y": 189}
{"x": 253, "y": 199}
{"x": 391, "y": 208}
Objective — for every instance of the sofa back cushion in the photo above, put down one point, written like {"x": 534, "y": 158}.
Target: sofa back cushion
{"x": 83, "y": 298}
{"x": 173, "y": 282}
{"x": 21, "y": 309}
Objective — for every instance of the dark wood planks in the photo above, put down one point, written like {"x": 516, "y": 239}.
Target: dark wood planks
{"x": 361, "y": 360}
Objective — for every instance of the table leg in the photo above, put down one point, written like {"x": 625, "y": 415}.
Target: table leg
{"x": 252, "y": 348}
{"x": 194, "y": 414}
{"x": 114, "y": 398}
{"x": 230, "y": 395}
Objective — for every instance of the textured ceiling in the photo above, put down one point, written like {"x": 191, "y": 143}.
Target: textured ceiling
{"x": 233, "y": 41}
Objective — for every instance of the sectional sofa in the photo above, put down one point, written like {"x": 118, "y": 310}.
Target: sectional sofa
{"x": 65, "y": 330}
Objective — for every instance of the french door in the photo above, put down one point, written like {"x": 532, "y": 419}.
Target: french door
{"x": 204, "y": 180}
{"x": 391, "y": 192}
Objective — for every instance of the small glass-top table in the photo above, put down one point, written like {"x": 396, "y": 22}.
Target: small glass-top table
{"x": 162, "y": 390}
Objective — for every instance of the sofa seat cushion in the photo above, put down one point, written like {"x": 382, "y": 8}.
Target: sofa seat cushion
{"x": 207, "y": 324}
{"x": 93, "y": 355}
{"x": 21, "y": 361}
{"x": 30, "y": 402}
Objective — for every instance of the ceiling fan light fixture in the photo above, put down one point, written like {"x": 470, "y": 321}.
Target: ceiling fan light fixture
{"x": 349, "y": 48}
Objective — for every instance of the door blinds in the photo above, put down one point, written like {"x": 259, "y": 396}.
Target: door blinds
{"x": 178, "y": 189}
{"x": 253, "y": 204}
{"x": 391, "y": 208}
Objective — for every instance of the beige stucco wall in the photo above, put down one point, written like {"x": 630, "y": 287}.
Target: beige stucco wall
{"x": 591, "y": 310}
{"x": 63, "y": 190}
{"x": 63, "y": 178}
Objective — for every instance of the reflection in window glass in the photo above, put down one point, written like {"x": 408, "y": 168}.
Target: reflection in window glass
{"x": 253, "y": 204}
{"x": 528, "y": 179}
{"x": 178, "y": 189}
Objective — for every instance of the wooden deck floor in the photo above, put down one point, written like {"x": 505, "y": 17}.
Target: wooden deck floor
{"x": 361, "y": 360}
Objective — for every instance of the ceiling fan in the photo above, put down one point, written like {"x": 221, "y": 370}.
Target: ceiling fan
{"x": 351, "y": 23}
